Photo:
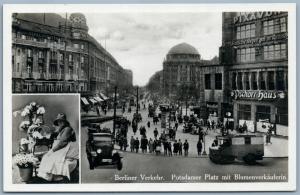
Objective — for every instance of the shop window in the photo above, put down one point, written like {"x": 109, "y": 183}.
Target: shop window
{"x": 244, "y": 112}
{"x": 245, "y": 31}
{"x": 218, "y": 81}
{"x": 282, "y": 116}
{"x": 280, "y": 80}
{"x": 275, "y": 26}
{"x": 245, "y": 55}
{"x": 275, "y": 51}
{"x": 41, "y": 54}
{"x": 70, "y": 57}
{"x": 263, "y": 113}
{"x": 271, "y": 83}
{"x": 207, "y": 81}
{"x": 233, "y": 82}
{"x": 254, "y": 81}
{"x": 262, "y": 81}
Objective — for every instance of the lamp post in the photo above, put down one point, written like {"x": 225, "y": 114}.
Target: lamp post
{"x": 115, "y": 108}
{"x": 137, "y": 100}
{"x": 204, "y": 151}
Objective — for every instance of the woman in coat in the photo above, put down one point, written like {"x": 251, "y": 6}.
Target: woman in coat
{"x": 61, "y": 160}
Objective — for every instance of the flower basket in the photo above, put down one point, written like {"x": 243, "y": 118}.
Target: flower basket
{"x": 26, "y": 172}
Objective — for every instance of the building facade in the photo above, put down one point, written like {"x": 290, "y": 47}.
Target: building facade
{"x": 52, "y": 54}
{"x": 254, "y": 54}
{"x": 199, "y": 81}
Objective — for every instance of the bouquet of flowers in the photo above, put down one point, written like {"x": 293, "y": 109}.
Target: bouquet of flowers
{"x": 25, "y": 160}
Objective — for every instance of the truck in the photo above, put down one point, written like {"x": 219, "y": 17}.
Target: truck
{"x": 245, "y": 147}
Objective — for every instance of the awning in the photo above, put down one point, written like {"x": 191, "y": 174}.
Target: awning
{"x": 93, "y": 100}
{"x": 84, "y": 100}
{"x": 98, "y": 99}
{"x": 104, "y": 97}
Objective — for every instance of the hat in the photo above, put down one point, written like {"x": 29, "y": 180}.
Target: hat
{"x": 60, "y": 117}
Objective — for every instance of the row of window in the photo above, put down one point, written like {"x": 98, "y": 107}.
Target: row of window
{"x": 263, "y": 113}
{"x": 270, "y": 52}
{"x": 270, "y": 80}
{"x": 270, "y": 27}
{"x": 218, "y": 81}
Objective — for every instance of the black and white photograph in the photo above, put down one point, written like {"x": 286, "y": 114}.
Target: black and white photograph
{"x": 45, "y": 139}
{"x": 193, "y": 97}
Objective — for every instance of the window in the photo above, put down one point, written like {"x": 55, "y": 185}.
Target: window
{"x": 19, "y": 52}
{"x": 245, "y": 31}
{"x": 233, "y": 81}
{"x": 254, "y": 81}
{"x": 70, "y": 58}
{"x": 275, "y": 51}
{"x": 274, "y": 26}
{"x": 82, "y": 46}
{"x": 280, "y": 80}
{"x": 271, "y": 83}
{"x": 207, "y": 81}
{"x": 245, "y": 55}
{"x": 244, "y": 112}
{"x": 262, "y": 81}
{"x": 282, "y": 116}
{"x": 218, "y": 81}
{"x": 41, "y": 55}
{"x": 29, "y": 53}
{"x": 76, "y": 45}
{"x": 263, "y": 113}
{"x": 246, "y": 79}
{"x": 239, "y": 81}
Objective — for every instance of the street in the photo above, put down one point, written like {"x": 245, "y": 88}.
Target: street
{"x": 138, "y": 167}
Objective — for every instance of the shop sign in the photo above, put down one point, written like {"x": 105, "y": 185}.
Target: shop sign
{"x": 249, "y": 16}
{"x": 257, "y": 95}
{"x": 259, "y": 40}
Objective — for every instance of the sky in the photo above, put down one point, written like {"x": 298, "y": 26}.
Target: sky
{"x": 140, "y": 41}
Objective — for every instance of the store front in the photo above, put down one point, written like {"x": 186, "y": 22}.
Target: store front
{"x": 258, "y": 114}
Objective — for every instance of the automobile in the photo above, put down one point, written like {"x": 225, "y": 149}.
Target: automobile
{"x": 247, "y": 147}
{"x": 100, "y": 151}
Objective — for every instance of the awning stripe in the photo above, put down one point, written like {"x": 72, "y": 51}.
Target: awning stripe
{"x": 98, "y": 99}
{"x": 93, "y": 101}
{"x": 84, "y": 100}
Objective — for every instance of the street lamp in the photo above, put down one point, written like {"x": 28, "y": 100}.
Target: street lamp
{"x": 115, "y": 107}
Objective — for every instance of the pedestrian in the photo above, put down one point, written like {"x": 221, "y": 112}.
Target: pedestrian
{"x": 165, "y": 144}
{"x": 144, "y": 144}
{"x": 157, "y": 146}
{"x": 121, "y": 142}
{"x": 213, "y": 124}
{"x": 268, "y": 137}
{"x": 186, "y": 148}
{"x": 148, "y": 124}
{"x": 169, "y": 148}
{"x": 151, "y": 145}
{"x": 136, "y": 144}
{"x": 199, "y": 147}
{"x": 179, "y": 147}
{"x": 175, "y": 148}
{"x": 176, "y": 125}
{"x": 125, "y": 143}
{"x": 132, "y": 144}
{"x": 155, "y": 132}
{"x": 208, "y": 124}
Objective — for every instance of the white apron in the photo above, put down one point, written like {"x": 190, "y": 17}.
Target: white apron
{"x": 59, "y": 163}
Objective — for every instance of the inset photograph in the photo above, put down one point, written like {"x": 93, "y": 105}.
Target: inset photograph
{"x": 45, "y": 139}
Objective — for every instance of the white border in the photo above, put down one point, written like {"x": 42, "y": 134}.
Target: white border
{"x": 153, "y": 8}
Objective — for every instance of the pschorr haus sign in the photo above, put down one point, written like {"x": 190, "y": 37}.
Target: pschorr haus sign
{"x": 257, "y": 95}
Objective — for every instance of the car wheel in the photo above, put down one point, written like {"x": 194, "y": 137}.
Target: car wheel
{"x": 120, "y": 165}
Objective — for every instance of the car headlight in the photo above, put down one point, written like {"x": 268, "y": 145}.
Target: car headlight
{"x": 99, "y": 151}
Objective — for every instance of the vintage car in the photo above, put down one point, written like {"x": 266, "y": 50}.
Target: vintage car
{"x": 100, "y": 151}
{"x": 246, "y": 147}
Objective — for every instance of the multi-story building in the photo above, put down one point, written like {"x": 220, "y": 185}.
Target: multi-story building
{"x": 54, "y": 54}
{"x": 254, "y": 54}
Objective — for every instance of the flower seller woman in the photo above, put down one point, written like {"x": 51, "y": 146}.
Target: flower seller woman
{"x": 61, "y": 160}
